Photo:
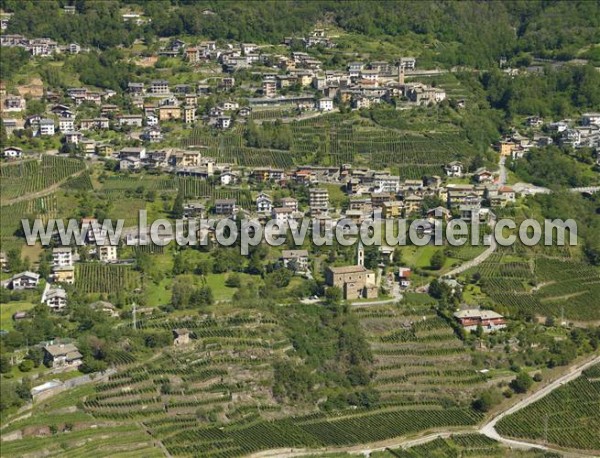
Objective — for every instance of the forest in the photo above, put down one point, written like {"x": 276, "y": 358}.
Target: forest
{"x": 480, "y": 32}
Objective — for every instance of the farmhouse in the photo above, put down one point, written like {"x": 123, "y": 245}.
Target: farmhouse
{"x": 62, "y": 355}
{"x": 489, "y": 320}
{"x": 105, "y": 307}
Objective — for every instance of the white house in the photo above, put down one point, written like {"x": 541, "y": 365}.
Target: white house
{"x": 62, "y": 257}
{"x": 298, "y": 257}
{"x": 13, "y": 152}
{"x": 24, "y": 280}
{"x": 55, "y": 298}
{"x": 228, "y": 178}
{"x": 264, "y": 203}
{"x": 152, "y": 120}
{"x": 282, "y": 215}
{"x": 454, "y": 169}
{"x": 325, "y": 104}
{"x": 46, "y": 127}
{"x": 590, "y": 118}
{"x": 107, "y": 253}
{"x": 66, "y": 124}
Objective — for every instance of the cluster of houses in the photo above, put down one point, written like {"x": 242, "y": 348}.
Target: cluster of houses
{"x": 361, "y": 85}
{"x": 585, "y": 134}
{"x": 39, "y": 47}
{"x": 63, "y": 266}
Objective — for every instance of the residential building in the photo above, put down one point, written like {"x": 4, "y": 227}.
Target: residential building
{"x": 107, "y": 253}
{"x": 454, "y": 169}
{"x": 169, "y": 113}
{"x": 62, "y": 257}
{"x": 66, "y": 124}
{"x": 223, "y": 122}
{"x": 12, "y": 152}
{"x": 64, "y": 274}
{"x": 159, "y": 87}
{"x": 289, "y": 202}
{"x": 404, "y": 276}
{"x": 225, "y": 206}
{"x": 269, "y": 87}
{"x": 193, "y": 210}
{"x": 325, "y": 104}
{"x": 73, "y": 137}
{"x": 62, "y": 355}
{"x": 46, "y": 127}
{"x": 189, "y": 114}
{"x": 55, "y": 298}
{"x": 264, "y": 203}
{"x": 131, "y": 120}
{"x": 489, "y": 320}
{"x": 318, "y": 200}
{"x": 297, "y": 258}
{"x": 24, "y": 280}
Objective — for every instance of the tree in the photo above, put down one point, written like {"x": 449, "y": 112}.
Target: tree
{"x": 487, "y": 400}
{"x": 4, "y": 364}
{"x": 177, "y": 210}
{"x": 233, "y": 280}
{"x": 437, "y": 260}
{"x": 521, "y": 383}
{"x": 333, "y": 295}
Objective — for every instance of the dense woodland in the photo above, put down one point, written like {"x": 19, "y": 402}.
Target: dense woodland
{"x": 480, "y": 33}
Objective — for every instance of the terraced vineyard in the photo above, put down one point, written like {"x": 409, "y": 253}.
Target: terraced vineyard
{"x": 224, "y": 375}
{"x": 26, "y": 177}
{"x": 473, "y": 445}
{"x": 328, "y": 140}
{"x": 568, "y": 417}
{"x": 564, "y": 286}
{"x": 418, "y": 358}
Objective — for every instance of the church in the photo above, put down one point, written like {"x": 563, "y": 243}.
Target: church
{"x": 356, "y": 282}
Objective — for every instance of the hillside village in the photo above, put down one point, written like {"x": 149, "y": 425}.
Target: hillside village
{"x": 150, "y": 348}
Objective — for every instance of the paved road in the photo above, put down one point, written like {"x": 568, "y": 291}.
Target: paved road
{"x": 489, "y": 429}
{"x": 478, "y": 259}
